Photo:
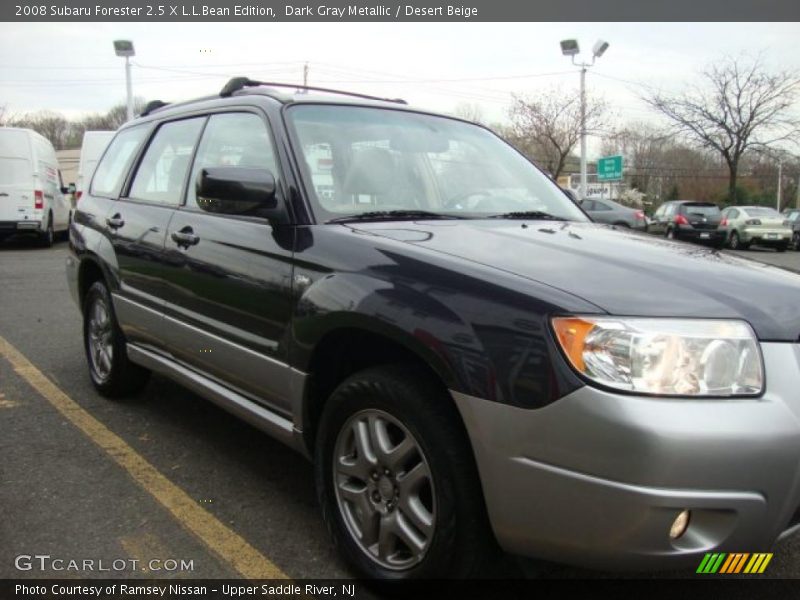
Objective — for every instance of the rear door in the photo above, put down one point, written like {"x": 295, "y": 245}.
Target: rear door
{"x": 229, "y": 301}
{"x": 137, "y": 223}
{"x": 16, "y": 178}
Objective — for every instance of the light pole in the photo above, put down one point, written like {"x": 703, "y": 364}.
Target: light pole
{"x": 125, "y": 48}
{"x": 572, "y": 49}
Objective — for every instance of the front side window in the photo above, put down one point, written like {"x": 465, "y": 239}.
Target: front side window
{"x": 359, "y": 159}
{"x": 233, "y": 140}
{"x": 162, "y": 172}
{"x": 110, "y": 173}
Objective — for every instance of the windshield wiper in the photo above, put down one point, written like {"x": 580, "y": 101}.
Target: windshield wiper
{"x": 389, "y": 215}
{"x": 528, "y": 214}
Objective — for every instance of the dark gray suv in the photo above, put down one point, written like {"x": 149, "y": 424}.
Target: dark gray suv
{"x": 470, "y": 363}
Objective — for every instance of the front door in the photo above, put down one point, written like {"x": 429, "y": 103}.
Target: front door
{"x": 229, "y": 302}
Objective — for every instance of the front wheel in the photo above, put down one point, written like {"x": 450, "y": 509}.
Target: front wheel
{"x": 112, "y": 374}
{"x": 396, "y": 479}
{"x": 796, "y": 240}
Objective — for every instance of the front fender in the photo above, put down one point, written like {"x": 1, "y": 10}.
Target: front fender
{"x": 477, "y": 343}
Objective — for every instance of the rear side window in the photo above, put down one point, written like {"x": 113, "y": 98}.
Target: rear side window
{"x": 601, "y": 206}
{"x": 162, "y": 172}
{"x": 111, "y": 170}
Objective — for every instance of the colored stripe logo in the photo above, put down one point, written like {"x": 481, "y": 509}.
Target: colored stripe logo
{"x": 734, "y": 563}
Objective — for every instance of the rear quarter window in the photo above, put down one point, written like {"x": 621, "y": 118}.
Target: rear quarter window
{"x": 112, "y": 168}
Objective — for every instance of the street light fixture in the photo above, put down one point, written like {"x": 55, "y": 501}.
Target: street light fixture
{"x": 125, "y": 48}
{"x": 572, "y": 49}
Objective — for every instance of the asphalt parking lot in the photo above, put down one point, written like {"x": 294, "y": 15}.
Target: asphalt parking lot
{"x": 164, "y": 476}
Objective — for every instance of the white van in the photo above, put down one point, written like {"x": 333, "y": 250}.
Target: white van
{"x": 92, "y": 148}
{"x": 31, "y": 191}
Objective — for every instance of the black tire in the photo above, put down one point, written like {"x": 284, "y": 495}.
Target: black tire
{"x": 782, "y": 247}
{"x": 622, "y": 224}
{"x": 48, "y": 236}
{"x": 796, "y": 240}
{"x": 735, "y": 242}
{"x": 122, "y": 378}
{"x": 461, "y": 543}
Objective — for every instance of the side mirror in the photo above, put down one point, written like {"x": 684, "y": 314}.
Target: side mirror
{"x": 64, "y": 189}
{"x": 237, "y": 191}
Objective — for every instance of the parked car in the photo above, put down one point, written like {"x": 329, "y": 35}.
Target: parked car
{"x": 761, "y": 225}
{"x": 793, "y": 216}
{"x": 32, "y": 197}
{"x": 92, "y": 147}
{"x": 689, "y": 220}
{"x": 614, "y": 213}
{"x": 466, "y": 358}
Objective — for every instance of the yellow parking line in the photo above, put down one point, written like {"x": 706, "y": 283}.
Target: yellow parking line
{"x": 227, "y": 544}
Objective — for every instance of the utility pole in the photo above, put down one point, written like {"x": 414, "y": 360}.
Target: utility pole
{"x": 125, "y": 48}
{"x": 572, "y": 49}
{"x": 129, "y": 87}
{"x": 305, "y": 75}
{"x": 780, "y": 178}
{"x": 584, "y": 176}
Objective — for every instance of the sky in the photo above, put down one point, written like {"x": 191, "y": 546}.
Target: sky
{"x": 71, "y": 67}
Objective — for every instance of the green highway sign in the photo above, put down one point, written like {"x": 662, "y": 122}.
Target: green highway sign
{"x": 609, "y": 168}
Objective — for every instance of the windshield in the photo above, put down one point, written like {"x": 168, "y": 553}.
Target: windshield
{"x": 359, "y": 160}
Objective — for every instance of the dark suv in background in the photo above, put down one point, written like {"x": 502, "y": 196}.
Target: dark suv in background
{"x": 470, "y": 363}
{"x": 689, "y": 220}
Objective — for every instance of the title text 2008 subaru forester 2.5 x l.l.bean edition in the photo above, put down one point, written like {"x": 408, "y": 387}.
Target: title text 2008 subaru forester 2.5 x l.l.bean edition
{"x": 467, "y": 358}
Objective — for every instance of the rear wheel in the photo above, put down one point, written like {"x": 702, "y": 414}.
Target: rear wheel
{"x": 782, "y": 247}
{"x": 48, "y": 236}
{"x": 796, "y": 240}
{"x": 396, "y": 479}
{"x": 735, "y": 242}
{"x": 112, "y": 374}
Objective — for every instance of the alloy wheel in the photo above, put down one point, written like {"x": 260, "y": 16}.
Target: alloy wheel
{"x": 101, "y": 343}
{"x": 384, "y": 489}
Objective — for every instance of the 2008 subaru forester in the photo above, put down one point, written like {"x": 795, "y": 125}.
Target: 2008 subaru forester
{"x": 465, "y": 356}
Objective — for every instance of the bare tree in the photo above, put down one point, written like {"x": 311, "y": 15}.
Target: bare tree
{"x": 51, "y": 125}
{"x": 469, "y": 111}
{"x": 739, "y": 106}
{"x": 551, "y": 123}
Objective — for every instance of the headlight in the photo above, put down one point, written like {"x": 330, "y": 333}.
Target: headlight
{"x": 670, "y": 357}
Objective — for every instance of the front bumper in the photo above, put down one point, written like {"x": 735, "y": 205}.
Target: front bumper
{"x": 597, "y": 478}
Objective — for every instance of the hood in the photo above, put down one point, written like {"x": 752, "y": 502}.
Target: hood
{"x": 623, "y": 272}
